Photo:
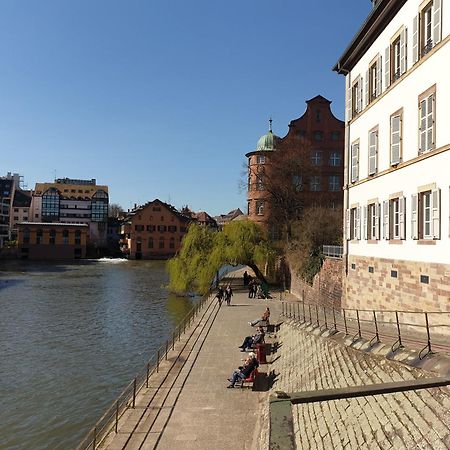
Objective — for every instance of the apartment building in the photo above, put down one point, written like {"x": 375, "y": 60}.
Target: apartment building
{"x": 397, "y": 158}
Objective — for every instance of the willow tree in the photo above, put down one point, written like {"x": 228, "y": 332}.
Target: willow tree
{"x": 205, "y": 251}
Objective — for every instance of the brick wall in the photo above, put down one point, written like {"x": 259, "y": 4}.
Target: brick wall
{"x": 327, "y": 285}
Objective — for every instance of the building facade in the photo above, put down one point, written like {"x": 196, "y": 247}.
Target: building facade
{"x": 153, "y": 231}
{"x": 397, "y": 157}
{"x": 73, "y": 201}
{"x": 314, "y": 142}
{"x": 52, "y": 240}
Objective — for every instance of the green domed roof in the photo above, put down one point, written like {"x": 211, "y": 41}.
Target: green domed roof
{"x": 267, "y": 142}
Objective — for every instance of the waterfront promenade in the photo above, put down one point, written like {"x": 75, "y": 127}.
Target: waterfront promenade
{"x": 187, "y": 404}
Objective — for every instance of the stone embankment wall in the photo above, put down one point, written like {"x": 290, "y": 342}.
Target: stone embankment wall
{"x": 326, "y": 288}
{"x": 308, "y": 361}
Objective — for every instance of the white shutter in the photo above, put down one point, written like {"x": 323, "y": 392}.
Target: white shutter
{"x": 379, "y": 74}
{"x": 436, "y": 21}
{"x": 349, "y": 101}
{"x": 377, "y": 221}
{"x": 358, "y": 223}
{"x": 386, "y": 219}
{"x": 435, "y": 213}
{"x": 347, "y": 224}
{"x": 415, "y": 48}
{"x": 367, "y": 88}
{"x": 360, "y": 87}
{"x": 365, "y": 222}
{"x": 401, "y": 217}
{"x": 414, "y": 216}
{"x": 387, "y": 67}
{"x": 395, "y": 139}
{"x": 403, "y": 41}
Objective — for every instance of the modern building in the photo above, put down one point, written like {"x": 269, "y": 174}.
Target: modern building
{"x": 397, "y": 158}
{"x": 153, "y": 231}
{"x": 315, "y": 141}
{"x": 52, "y": 240}
{"x": 73, "y": 201}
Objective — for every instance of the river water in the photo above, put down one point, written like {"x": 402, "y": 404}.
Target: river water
{"x": 72, "y": 336}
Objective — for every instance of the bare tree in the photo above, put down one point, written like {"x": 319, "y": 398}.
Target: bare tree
{"x": 115, "y": 210}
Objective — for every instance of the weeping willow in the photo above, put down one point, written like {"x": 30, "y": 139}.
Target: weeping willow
{"x": 204, "y": 251}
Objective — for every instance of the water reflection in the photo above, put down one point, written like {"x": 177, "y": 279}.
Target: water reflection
{"x": 71, "y": 337}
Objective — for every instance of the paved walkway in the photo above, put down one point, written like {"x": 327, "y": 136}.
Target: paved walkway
{"x": 187, "y": 404}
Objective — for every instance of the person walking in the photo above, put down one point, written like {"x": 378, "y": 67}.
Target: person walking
{"x": 228, "y": 295}
{"x": 220, "y": 294}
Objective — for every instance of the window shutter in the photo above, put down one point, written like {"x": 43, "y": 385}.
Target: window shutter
{"x": 414, "y": 218}
{"x": 387, "y": 67}
{"x": 379, "y": 74}
{"x": 360, "y": 87}
{"x": 401, "y": 217}
{"x": 436, "y": 21}
{"x": 435, "y": 213}
{"x": 377, "y": 221}
{"x": 365, "y": 222}
{"x": 367, "y": 88}
{"x": 415, "y": 48}
{"x": 358, "y": 223}
{"x": 395, "y": 139}
{"x": 349, "y": 101}
{"x": 433, "y": 112}
{"x": 347, "y": 224}
{"x": 403, "y": 40}
{"x": 386, "y": 219}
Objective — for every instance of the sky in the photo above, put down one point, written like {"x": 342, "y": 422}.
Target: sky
{"x": 161, "y": 99}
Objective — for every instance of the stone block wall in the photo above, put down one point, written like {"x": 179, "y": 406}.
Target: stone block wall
{"x": 326, "y": 288}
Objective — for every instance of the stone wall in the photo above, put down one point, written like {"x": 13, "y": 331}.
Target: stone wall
{"x": 327, "y": 285}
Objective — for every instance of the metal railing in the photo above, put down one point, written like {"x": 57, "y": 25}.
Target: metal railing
{"x": 333, "y": 251}
{"x": 428, "y": 331}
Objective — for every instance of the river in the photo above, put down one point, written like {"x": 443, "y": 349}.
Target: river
{"x": 72, "y": 336}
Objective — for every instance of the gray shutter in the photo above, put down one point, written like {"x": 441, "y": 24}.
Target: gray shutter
{"x": 414, "y": 216}
{"x": 349, "y": 101}
{"x": 387, "y": 67}
{"x": 347, "y": 224}
{"x": 436, "y": 212}
{"x": 415, "y": 48}
{"x": 395, "y": 139}
{"x": 377, "y": 221}
{"x": 379, "y": 75}
{"x": 365, "y": 222}
{"x": 367, "y": 88}
{"x": 401, "y": 217}
{"x": 436, "y": 21}
{"x": 403, "y": 41}
{"x": 358, "y": 223}
{"x": 360, "y": 99}
{"x": 386, "y": 219}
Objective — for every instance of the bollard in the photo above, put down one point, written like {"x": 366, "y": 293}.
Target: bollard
{"x": 317, "y": 316}
{"x": 359, "y": 324}
{"x": 325, "y": 316}
{"x": 157, "y": 363}
{"x": 376, "y": 326}
{"x": 310, "y": 316}
{"x": 117, "y": 416}
{"x": 398, "y": 330}
{"x": 428, "y": 333}
{"x": 148, "y": 373}
{"x": 304, "y": 315}
{"x": 298, "y": 310}
{"x": 334, "y": 319}
{"x": 345, "y": 322}
{"x": 167, "y": 348}
{"x": 134, "y": 393}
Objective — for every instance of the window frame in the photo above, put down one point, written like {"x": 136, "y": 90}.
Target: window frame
{"x": 395, "y": 161}
{"x": 427, "y": 98}
{"x": 373, "y": 157}
{"x": 354, "y": 161}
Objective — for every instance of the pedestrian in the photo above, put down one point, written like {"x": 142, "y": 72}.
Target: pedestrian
{"x": 228, "y": 294}
{"x": 245, "y": 278}
{"x": 220, "y": 295}
{"x": 250, "y": 288}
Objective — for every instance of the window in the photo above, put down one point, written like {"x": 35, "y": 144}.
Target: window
{"x": 297, "y": 182}
{"x": 301, "y": 134}
{"x": 65, "y": 237}
{"x": 156, "y": 208}
{"x": 395, "y": 55}
{"x": 425, "y": 215}
{"x": 260, "y": 159}
{"x": 316, "y": 157}
{"x": 52, "y": 237}
{"x": 426, "y": 29}
{"x": 172, "y": 243}
{"x": 77, "y": 237}
{"x": 354, "y": 98}
{"x": 334, "y": 183}
{"x": 354, "y": 158}
{"x": 260, "y": 182}
{"x": 248, "y": 207}
{"x": 172, "y": 228}
{"x": 50, "y": 205}
{"x": 39, "y": 237}
{"x": 373, "y": 221}
{"x": 397, "y": 218}
{"x": 318, "y": 136}
{"x": 373, "y": 151}
{"x": 426, "y": 120}
{"x": 373, "y": 80}
{"x": 26, "y": 236}
{"x": 395, "y": 58}
{"x": 161, "y": 242}
{"x": 150, "y": 242}
{"x": 335, "y": 159}
{"x": 151, "y": 228}
{"x": 314, "y": 183}
{"x": 353, "y": 228}
{"x": 99, "y": 207}
{"x": 396, "y": 138}
{"x": 260, "y": 207}
{"x": 162, "y": 228}
{"x": 335, "y": 135}
{"x": 318, "y": 115}
{"x": 139, "y": 227}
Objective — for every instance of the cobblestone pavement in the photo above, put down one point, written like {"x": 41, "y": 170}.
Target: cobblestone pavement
{"x": 411, "y": 420}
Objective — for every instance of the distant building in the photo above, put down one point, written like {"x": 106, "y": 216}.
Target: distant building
{"x": 73, "y": 201}
{"x": 318, "y": 139}
{"x": 153, "y": 231}
{"x": 203, "y": 218}
{"x": 225, "y": 218}
{"x": 20, "y": 210}
{"x": 51, "y": 240}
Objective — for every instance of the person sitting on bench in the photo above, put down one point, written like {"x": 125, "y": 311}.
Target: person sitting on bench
{"x": 244, "y": 371}
{"x": 249, "y": 341}
{"x": 264, "y": 318}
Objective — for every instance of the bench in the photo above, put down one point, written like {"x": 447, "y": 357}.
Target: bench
{"x": 250, "y": 379}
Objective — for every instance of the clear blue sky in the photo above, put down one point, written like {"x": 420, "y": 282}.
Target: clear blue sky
{"x": 161, "y": 99}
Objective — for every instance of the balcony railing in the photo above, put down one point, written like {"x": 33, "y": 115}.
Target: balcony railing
{"x": 333, "y": 251}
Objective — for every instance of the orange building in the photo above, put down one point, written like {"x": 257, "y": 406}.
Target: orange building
{"x": 153, "y": 231}
{"x": 38, "y": 240}
{"x": 318, "y": 139}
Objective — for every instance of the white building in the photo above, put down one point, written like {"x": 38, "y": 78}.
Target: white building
{"x": 397, "y": 163}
